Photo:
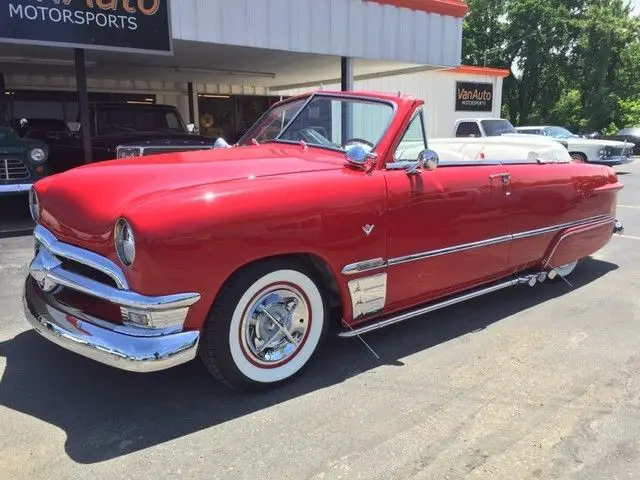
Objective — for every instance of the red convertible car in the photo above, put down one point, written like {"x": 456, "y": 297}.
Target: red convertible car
{"x": 332, "y": 201}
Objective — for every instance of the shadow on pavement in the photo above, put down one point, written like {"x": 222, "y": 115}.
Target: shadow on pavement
{"x": 107, "y": 413}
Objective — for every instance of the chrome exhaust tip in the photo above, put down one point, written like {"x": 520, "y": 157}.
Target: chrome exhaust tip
{"x": 542, "y": 277}
{"x": 618, "y": 227}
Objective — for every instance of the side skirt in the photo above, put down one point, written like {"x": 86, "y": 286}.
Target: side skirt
{"x": 530, "y": 280}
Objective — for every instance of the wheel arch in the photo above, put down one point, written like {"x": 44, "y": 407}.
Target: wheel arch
{"x": 318, "y": 265}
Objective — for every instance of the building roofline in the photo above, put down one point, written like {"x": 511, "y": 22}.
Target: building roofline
{"x": 486, "y": 71}
{"x": 451, "y": 8}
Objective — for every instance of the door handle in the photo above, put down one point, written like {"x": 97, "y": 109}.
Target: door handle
{"x": 505, "y": 177}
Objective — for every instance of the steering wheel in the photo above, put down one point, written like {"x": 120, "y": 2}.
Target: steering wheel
{"x": 358, "y": 140}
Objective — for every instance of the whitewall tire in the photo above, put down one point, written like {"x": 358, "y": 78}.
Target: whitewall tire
{"x": 266, "y": 325}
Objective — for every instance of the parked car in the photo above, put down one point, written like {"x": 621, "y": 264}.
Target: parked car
{"x": 592, "y": 150}
{"x": 491, "y": 127}
{"x": 22, "y": 162}
{"x": 157, "y": 127}
{"x": 331, "y": 202}
{"x": 630, "y": 135}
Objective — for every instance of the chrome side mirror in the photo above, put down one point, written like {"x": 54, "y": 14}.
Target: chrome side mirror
{"x": 358, "y": 155}
{"x": 429, "y": 159}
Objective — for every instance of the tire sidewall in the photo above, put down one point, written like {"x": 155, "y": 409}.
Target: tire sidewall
{"x": 222, "y": 330}
{"x": 303, "y": 355}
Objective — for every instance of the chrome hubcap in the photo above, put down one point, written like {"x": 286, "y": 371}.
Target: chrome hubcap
{"x": 275, "y": 325}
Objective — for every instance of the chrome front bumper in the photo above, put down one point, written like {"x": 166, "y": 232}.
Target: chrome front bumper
{"x": 620, "y": 160}
{"x": 112, "y": 345}
{"x": 151, "y": 336}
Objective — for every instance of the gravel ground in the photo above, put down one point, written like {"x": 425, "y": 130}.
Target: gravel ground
{"x": 538, "y": 383}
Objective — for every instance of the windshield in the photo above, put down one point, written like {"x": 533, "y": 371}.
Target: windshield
{"x": 635, "y": 131}
{"x": 497, "y": 127}
{"x": 324, "y": 121}
{"x": 114, "y": 120}
{"x": 558, "y": 132}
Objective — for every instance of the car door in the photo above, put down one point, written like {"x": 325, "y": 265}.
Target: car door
{"x": 447, "y": 228}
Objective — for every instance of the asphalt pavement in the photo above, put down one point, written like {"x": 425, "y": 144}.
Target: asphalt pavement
{"x": 527, "y": 383}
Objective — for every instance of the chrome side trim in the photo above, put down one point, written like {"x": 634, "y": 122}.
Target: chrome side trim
{"x": 80, "y": 255}
{"x": 364, "y": 266}
{"x": 555, "y": 228}
{"x": 368, "y": 294}
{"x": 445, "y": 251}
{"x": 429, "y": 308}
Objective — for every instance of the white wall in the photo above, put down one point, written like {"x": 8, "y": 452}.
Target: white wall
{"x": 436, "y": 88}
{"x": 353, "y": 28}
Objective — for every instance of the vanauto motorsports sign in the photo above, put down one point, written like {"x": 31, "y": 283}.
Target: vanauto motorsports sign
{"x": 474, "y": 97}
{"x": 120, "y": 25}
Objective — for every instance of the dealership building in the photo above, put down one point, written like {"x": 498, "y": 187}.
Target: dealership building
{"x": 222, "y": 63}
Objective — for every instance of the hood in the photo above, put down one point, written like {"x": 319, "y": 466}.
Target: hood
{"x": 597, "y": 142}
{"x": 82, "y": 204}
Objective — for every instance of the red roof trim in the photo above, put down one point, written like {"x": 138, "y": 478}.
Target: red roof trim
{"x": 451, "y": 8}
{"x": 487, "y": 71}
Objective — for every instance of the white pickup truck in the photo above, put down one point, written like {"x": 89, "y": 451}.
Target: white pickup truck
{"x": 491, "y": 127}
{"x": 495, "y": 139}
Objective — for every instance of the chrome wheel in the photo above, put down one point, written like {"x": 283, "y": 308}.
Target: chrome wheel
{"x": 275, "y": 325}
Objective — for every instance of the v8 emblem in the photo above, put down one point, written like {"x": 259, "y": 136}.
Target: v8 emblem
{"x": 367, "y": 229}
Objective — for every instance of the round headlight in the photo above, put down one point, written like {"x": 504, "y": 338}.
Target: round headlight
{"x": 34, "y": 205}
{"x": 125, "y": 242}
{"x": 37, "y": 155}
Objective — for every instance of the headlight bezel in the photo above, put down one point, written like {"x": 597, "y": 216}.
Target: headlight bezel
{"x": 125, "y": 242}
{"x": 34, "y": 205}
{"x": 43, "y": 153}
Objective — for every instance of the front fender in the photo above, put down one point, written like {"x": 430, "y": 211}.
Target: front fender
{"x": 194, "y": 239}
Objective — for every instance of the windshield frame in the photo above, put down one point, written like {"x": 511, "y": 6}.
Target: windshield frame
{"x": 309, "y": 99}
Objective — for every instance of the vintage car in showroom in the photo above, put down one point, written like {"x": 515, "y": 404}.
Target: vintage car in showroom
{"x": 333, "y": 207}
{"x": 23, "y": 161}
{"x": 591, "y": 150}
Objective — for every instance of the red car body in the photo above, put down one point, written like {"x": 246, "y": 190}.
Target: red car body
{"x": 201, "y": 217}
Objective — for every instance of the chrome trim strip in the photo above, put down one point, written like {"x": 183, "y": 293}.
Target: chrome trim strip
{"x": 135, "y": 354}
{"x": 80, "y": 255}
{"x": 429, "y": 308}
{"x": 16, "y": 187}
{"x": 126, "y": 298}
{"x": 368, "y": 294}
{"x": 364, "y": 266}
{"x": 555, "y": 228}
{"x": 444, "y": 251}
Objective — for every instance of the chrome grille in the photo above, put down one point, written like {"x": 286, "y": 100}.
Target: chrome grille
{"x": 160, "y": 150}
{"x": 619, "y": 151}
{"x": 12, "y": 168}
